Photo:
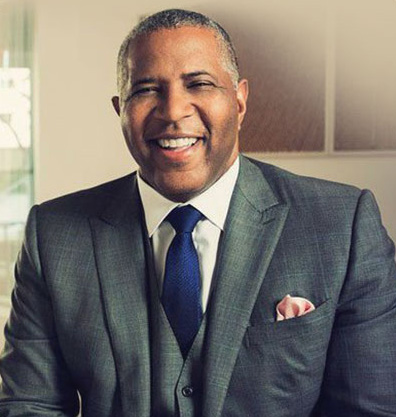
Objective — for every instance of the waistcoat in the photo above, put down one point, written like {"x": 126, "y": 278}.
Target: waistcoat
{"x": 176, "y": 384}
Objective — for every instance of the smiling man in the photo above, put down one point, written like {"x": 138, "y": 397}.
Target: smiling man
{"x": 206, "y": 284}
{"x": 181, "y": 108}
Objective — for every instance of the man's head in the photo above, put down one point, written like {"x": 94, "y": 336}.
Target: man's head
{"x": 172, "y": 19}
{"x": 181, "y": 101}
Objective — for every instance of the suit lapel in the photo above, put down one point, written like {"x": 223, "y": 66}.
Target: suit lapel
{"x": 253, "y": 227}
{"x": 119, "y": 250}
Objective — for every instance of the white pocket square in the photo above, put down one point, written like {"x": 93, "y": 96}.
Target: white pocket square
{"x": 291, "y": 307}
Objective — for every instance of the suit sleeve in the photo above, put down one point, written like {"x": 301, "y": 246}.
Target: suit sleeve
{"x": 360, "y": 376}
{"x": 35, "y": 380}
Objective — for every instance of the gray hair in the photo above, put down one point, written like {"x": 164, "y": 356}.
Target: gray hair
{"x": 172, "y": 19}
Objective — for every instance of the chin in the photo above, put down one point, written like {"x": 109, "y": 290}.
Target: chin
{"x": 182, "y": 193}
{"x": 181, "y": 187}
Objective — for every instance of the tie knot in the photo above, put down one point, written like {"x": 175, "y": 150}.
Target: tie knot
{"x": 183, "y": 219}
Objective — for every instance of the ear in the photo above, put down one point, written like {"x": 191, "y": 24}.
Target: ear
{"x": 242, "y": 96}
{"x": 116, "y": 104}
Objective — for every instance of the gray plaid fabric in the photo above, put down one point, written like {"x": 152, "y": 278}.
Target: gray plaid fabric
{"x": 81, "y": 310}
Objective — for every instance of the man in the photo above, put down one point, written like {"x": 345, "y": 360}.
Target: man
{"x": 96, "y": 309}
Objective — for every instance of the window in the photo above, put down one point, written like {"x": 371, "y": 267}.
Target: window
{"x": 16, "y": 162}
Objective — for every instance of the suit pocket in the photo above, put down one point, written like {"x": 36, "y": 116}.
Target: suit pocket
{"x": 283, "y": 362}
{"x": 313, "y": 326}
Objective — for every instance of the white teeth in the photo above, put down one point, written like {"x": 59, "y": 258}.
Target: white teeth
{"x": 177, "y": 142}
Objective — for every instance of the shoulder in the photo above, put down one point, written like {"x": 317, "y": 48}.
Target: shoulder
{"x": 311, "y": 201}
{"x": 91, "y": 201}
{"x": 68, "y": 216}
{"x": 288, "y": 186}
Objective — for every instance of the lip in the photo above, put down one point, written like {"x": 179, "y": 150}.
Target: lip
{"x": 176, "y": 155}
{"x": 175, "y": 136}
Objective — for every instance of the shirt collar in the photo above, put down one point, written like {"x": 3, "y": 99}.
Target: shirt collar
{"x": 212, "y": 203}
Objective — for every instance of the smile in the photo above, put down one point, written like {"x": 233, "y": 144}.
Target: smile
{"x": 175, "y": 143}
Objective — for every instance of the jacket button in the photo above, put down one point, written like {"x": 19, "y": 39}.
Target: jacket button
{"x": 188, "y": 391}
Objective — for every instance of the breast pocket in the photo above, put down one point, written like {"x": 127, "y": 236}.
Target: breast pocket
{"x": 294, "y": 348}
{"x": 283, "y": 362}
{"x": 307, "y": 330}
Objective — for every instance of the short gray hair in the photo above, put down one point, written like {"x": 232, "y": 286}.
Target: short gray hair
{"x": 172, "y": 19}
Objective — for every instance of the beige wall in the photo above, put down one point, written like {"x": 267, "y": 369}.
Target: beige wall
{"x": 79, "y": 142}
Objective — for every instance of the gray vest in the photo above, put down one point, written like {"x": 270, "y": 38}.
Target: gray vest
{"x": 176, "y": 385}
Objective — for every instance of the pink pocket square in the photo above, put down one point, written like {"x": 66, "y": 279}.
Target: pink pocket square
{"x": 291, "y": 307}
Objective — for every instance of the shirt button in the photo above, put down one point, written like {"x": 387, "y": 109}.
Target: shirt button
{"x": 188, "y": 391}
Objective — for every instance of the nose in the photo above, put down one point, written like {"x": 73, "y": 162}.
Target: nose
{"x": 174, "y": 105}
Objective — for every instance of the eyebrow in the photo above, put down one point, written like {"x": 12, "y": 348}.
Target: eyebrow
{"x": 196, "y": 74}
{"x": 147, "y": 80}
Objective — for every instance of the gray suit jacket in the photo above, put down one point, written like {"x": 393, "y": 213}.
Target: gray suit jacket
{"x": 81, "y": 311}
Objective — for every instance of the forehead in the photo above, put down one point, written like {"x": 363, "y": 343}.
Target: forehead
{"x": 186, "y": 46}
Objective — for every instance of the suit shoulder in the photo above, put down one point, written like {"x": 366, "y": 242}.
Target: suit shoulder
{"x": 327, "y": 206}
{"x": 88, "y": 201}
{"x": 289, "y": 185}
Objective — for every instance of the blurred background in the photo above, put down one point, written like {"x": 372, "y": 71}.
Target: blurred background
{"x": 322, "y": 96}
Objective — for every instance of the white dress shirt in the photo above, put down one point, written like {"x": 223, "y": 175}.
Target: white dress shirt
{"x": 212, "y": 203}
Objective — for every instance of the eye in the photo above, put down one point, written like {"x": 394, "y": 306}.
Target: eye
{"x": 200, "y": 85}
{"x": 145, "y": 91}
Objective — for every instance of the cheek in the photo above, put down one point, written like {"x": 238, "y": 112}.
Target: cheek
{"x": 133, "y": 117}
{"x": 128, "y": 122}
{"x": 224, "y": 130}
{"x": 224, "y": 142}
{"x": 224, "y": 115}
{"x": 133, "y": 136}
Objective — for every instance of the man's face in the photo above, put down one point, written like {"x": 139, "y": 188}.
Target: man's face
{"x": 180, "y": 111}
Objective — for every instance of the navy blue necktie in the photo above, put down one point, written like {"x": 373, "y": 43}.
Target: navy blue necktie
{"x": 181, "y": 295}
